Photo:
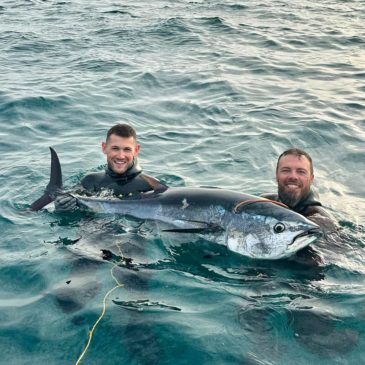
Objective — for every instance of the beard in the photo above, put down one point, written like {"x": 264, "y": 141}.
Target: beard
{"x": 292, "y": 198}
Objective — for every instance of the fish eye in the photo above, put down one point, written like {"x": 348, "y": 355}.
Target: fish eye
{"x": 279, "y": 227}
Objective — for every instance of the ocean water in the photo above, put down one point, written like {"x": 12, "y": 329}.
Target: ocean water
{"x": 216, "y": 90}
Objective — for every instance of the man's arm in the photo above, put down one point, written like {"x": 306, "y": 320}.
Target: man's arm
{"x": 320, "y": 216}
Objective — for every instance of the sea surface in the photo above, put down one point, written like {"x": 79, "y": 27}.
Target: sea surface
{"x": 216, "y": 90}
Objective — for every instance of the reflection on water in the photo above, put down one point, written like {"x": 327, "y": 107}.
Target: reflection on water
{"x": 216, "y": 90}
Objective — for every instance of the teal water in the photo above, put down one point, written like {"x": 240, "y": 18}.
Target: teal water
{"x": 216, "y": 90}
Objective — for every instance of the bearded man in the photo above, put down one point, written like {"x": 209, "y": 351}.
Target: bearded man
{"x": 294, "y": 175}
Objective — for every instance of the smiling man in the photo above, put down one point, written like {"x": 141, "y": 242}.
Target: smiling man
{"x": 123, "y": 175}
{"x": 120, "y": 148}
{"x": 294, "y": 175}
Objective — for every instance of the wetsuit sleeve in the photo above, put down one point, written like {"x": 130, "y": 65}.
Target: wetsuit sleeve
{"x": 316, "y": 210}
{"x": 320, "y": 216}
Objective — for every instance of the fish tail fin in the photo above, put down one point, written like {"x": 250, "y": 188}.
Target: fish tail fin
{"x": 54, "y": 185}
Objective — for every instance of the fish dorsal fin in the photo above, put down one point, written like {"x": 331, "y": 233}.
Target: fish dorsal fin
{"x": 54, "y": 186}
{"x": 157, "y": 186}
{"x": 55, "y": 181}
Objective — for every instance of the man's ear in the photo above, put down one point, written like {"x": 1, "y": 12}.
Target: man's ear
{"x": 138, "y": 147}
{"x": 103, "y": 147}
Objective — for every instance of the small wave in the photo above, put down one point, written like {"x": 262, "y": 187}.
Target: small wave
{"x": 235, "y": 6}
{"x": 218, "y": 24}
{"x": 120, "y": 12}
{"x": 35, "y": 103}
{"x": 176, "y": 31}
{"x": 101, "y": 65}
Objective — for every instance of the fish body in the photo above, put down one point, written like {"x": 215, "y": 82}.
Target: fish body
{"x": 251, "y": 226}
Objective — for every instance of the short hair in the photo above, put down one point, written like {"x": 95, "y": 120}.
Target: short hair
{"x": 298, "y": 153}
{"x": 122, "y": 130}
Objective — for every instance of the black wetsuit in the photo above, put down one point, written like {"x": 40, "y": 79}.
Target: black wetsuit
{"x": 129, "y": 183}
{"x": 308, "y": 206}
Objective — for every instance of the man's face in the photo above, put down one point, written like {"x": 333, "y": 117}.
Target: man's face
{"x": 120, "y": 152}
{"x": 294, "y": 179}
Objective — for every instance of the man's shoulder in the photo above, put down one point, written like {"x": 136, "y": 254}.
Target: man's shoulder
{"x": 93, "y": 176}
{"x": 92, "y": 179}
{"x": 270, "y": 196}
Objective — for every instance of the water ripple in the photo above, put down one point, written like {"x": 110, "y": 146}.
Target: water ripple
{"x": 216, "y": 90}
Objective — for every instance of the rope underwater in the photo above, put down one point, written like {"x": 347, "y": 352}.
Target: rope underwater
{"x": 91, "y": 332}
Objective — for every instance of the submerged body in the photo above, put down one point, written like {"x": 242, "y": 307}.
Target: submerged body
{"x": 250, "y": 226}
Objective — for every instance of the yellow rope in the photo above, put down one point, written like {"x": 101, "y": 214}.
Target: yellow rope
{"x": 91, "y": 332}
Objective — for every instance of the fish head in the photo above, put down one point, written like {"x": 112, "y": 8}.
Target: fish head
{"x": 269, "y": 232}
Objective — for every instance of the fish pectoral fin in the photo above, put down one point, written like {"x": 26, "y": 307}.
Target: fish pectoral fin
{"x": 196, "y": 227}
{"x": 186, "y": 230}
{"x": 157, "y": 186}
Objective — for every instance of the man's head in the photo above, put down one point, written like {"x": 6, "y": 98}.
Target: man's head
{"x": 120, "y": 147}
{"x": 294, "y": 175}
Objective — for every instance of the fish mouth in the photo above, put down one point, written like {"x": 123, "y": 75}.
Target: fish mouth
{"x": 313, "y": 233}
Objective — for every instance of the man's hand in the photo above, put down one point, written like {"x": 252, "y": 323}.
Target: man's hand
{"x": 65, "y": 203}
